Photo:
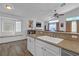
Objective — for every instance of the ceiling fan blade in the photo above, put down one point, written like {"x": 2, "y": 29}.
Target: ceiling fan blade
{"x": 57, "y": 16}
{"x": 60, "y": 14}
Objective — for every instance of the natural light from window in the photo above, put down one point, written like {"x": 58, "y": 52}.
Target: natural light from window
{"x": 18, "y": 26}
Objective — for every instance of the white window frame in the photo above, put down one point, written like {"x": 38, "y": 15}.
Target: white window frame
{"x": 17, "y": 30}
{"x": 2, "y": 32}
{"x": 74, "y": 26}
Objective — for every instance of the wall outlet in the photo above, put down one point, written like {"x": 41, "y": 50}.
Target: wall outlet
{"x": 74, "y": 36}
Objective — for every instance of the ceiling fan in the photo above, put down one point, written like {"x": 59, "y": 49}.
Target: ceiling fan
{"x": 57, "y": 15}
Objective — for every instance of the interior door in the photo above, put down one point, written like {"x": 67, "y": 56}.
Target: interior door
{"x": 68, "y": 26}
{"x": 77, "y": 26}
{"x": 57, "y": 26}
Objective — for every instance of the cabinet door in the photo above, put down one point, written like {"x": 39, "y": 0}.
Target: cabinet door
{"x": 31, "y": 45}
{"x": 54, "y": 50}
{"x": 48, "y": 52}
{"x": 68, "y": 26}
{"x": 39, "y": 50}
{"x": 28, "y": 44}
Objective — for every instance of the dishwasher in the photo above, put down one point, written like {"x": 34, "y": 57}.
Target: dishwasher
{"x": 68, "y": 53}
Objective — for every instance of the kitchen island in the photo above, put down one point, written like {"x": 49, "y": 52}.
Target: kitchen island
{"x": 68, "y": 44}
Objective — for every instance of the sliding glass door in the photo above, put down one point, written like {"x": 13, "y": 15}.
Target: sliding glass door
{"x": 52, "y": 27}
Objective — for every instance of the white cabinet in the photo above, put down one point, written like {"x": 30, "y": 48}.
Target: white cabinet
{"x": 49, "y": 52}
{"x": 54, "y": 50}
{"x": 31, "y": 45}
{"x": 47, "y": 49}
{"x": 40, "y": 48}
{"x": 28, "y": 44}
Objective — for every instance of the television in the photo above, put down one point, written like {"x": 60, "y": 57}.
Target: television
{"x": 38, "y": 24}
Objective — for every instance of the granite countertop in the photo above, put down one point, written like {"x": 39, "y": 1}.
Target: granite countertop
{"x": 70, "y": 45}
{"x": 62, "y": 32}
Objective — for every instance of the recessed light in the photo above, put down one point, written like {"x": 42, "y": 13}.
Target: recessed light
{"x": 9, "y": 7}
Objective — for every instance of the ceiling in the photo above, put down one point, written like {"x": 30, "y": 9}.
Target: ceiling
{"x": 37, "y": 10}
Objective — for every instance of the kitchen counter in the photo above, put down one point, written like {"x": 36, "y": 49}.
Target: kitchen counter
{"x": 69, "y": 45}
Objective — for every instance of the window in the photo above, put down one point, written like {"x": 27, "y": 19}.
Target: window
{"x": 72, "y": 18}
{"x": 52, "y": 27}
{"x": 7, "y": 26}
{"x": 74, "y": 26}
{"x": 18, "y": 26}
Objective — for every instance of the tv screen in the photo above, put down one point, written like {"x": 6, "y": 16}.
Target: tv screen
{"x": 38, "y": 24}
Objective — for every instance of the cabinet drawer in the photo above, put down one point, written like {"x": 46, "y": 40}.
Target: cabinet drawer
{"x": 54, "y": 49}
{"x": 50, "y": 52}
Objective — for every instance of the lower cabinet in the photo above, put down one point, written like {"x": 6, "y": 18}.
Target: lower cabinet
{"x": 40, "y": 48}
{"x": 31, "y": 45}
{"x": 48, "y": 52}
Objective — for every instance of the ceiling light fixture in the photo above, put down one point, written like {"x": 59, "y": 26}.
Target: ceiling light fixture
{"x": 63, "y": 4}
{"x": 9, "y": 7}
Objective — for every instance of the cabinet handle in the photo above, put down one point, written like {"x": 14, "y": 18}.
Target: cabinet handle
{"x": 42, "y": 47}
{"x": 45, "y": 49}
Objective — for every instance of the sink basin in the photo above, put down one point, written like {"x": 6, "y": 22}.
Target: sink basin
{"x": 51, "y": 39}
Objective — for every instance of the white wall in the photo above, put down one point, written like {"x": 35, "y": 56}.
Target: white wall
{"x": 62, "y": 20}
{"x": 26, "y": 23}
{"x": 42, "y": 24}
{"x": 0, "y": 24}
{"x": 46, "y": 24}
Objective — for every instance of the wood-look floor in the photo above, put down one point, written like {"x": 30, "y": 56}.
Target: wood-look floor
{"x": 26, "y": 53}
{"x": 17, "y": 48}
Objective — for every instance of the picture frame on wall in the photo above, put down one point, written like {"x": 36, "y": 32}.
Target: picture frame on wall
{"x": 30, "y": 24}
{"x": 62, "y": 25}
